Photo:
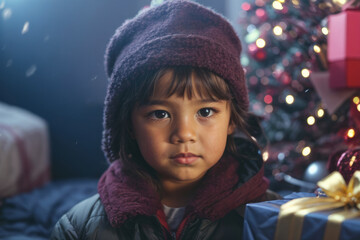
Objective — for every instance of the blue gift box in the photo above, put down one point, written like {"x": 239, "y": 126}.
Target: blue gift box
{"x": 261, "y": 220}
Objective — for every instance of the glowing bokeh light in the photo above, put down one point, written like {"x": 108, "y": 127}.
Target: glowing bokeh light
{"x": 277, "y": 5}
{"x": 356, "y": 100}
{"x": 269, "y": 108}
{"x": 317, "y": 49}
{"x": 351, "y": 133}
{"x": 320, "y": 112}
{"x": 265, "y": 156}
{"x": 306, "y": 151}
{"x": 325, "y": 30}
{"x": 260, "y": 43}
{"x": 277, "y": 30}
{"x": 260, "y": 12}
{"x": 289, "y": 99}
{"x": 310, "y": 120}
{"x": 352, "y": 160}
{"x": 268, "y": 99}
{"x": 305, "y": 72}
{"x": 246, "y": 6}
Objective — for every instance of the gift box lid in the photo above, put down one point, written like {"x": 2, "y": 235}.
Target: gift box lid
{"x": 344, "y": 35}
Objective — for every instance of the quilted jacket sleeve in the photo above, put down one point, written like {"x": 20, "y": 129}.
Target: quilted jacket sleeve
{"x": 64, "y": 230}
{"x": 86, "y": 220}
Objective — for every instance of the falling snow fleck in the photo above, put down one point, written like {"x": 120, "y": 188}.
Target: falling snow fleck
{"x": 25, "y": 28}
{"x": 2, "y": 4}
{"x": 7, "y": 13}
{"x": 31, "y": 70}
{"x": 9, "y": 63}
{"x": 46, "y": 38}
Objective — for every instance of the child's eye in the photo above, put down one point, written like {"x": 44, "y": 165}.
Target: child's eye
{"x": 205, "y": 112}
{"x": 159, "y": 114}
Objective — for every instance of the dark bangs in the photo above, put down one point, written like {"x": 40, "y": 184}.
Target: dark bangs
{"x": 204, "y": 83}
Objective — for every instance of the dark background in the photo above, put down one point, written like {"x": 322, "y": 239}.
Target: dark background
{"x": 56, "y": 71}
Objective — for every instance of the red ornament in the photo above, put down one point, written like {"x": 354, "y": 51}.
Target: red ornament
{"x": 348, "y": 163}
{"x": 258, "y": 54}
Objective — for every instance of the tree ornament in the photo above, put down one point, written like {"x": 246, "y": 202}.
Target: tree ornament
{"x": 348, "y": 163}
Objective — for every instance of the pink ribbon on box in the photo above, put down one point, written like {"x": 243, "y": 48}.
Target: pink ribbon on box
{"x": 25, "y": 183}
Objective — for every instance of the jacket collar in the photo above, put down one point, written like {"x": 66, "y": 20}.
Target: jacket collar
{"x": 224, "y": 188}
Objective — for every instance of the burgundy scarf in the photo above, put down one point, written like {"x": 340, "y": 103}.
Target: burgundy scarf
{"x": 124, "y": 195}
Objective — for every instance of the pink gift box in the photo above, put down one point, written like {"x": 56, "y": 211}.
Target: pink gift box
{"x": 344, "y": 49}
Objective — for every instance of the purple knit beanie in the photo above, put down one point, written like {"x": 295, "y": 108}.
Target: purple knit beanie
{"x": 175, "y": 33}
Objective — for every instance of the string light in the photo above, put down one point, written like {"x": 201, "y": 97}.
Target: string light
{"x": 356, "y": 100}
{"x": 260, "y": 43}
{"x": 277, "y": 5}
{"x": 268, "y": 99}
{"x": 269, "y": 108}
{"x": 265, "y": 156}
{"x": 358, "y": 107}
{"x": 339, "y": 2}
{"x": 295, "y": 2}
{"x": 306, "y": 151}
{"x": 277, "y": 30}
{"x": 317, "y": 49}
{"x": 246, "y": 6}
{"x": 289, "y": 99}
{"x": 351, "y": 133}
{"x": 260, "y": 12}
{"x": 310, "y": 120}
{"x": 325, "y": 30}
{"x": 305, "y": 72}
{"x": 320, "y": 112}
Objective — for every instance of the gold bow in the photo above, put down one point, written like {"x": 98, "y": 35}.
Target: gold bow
{"x": 343, "y": 199}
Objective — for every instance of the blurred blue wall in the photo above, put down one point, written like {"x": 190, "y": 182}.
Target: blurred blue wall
{"x": 56, "y": 71}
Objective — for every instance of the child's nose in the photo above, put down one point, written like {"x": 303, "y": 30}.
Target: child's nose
{"x": 184, "y": 130}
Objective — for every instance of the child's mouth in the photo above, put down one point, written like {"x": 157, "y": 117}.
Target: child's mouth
{"x": 185, "y": 158}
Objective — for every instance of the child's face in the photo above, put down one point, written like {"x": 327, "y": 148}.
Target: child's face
{"x": 181, "y": 138}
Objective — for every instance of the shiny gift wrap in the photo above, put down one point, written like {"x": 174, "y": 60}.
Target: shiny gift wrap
{"x": 344, "y": 49}
{"x": 308, "y": 217}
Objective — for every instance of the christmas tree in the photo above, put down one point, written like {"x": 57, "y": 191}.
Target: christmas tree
{"x": 286, "y": 45}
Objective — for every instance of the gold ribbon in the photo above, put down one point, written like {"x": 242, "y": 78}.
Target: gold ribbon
{"x": 343, "y": 200}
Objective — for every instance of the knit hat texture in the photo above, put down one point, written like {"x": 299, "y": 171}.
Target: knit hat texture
{"x": 174, "y": 33}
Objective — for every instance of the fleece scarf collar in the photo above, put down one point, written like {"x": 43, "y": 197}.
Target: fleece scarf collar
{"x": 124, "y": 195}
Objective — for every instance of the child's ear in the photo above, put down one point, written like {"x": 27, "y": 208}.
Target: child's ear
{"x": 231, "y": 128}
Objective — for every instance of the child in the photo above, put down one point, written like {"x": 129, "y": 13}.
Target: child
{"x": 175, "y": 99}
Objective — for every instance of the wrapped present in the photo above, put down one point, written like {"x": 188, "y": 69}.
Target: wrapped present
{"x": 24, "y": 151}
{"x": 344, "y": 49}
{"x": 305, "y": 216}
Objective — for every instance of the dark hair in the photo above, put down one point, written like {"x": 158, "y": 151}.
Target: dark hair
{"x": 139, "y": 92}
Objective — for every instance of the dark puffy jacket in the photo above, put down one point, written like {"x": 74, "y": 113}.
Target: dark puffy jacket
{"x": 128, "y": 207}
{"x": 88, "y": 220}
